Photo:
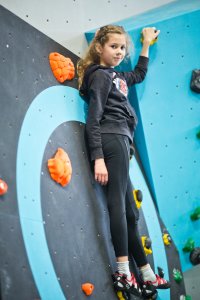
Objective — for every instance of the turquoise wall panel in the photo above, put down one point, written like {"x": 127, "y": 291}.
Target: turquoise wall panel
{"x": 170, "y": 118}
{"x": 169, "y": 115}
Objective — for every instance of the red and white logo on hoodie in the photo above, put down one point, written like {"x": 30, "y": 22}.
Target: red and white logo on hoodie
{"x": 121, "y": 85}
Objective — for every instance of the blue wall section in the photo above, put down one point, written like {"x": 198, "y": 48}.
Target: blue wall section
{"x": 169, "y": 115}
{"x": 43, "y": 110}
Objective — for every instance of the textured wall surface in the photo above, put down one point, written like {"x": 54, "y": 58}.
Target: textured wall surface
{"x": 169, "y": 112}
{"x": 67, "y": 20}
{"x": 56, "y": 238}
{"x": 169, "y": 119}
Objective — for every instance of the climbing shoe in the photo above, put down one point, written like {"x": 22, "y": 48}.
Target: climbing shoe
{"x": 159, "y": 283}
{"x": 121, "y": 283}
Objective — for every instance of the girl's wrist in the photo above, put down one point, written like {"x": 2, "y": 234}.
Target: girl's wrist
{"x": 97, "y": 160}
{"x": 146, "y": 43}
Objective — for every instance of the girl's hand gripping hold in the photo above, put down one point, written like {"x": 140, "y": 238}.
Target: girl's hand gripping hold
{"x": 150, "y": 34}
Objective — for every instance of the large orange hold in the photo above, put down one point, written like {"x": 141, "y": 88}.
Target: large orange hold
{"x": 60, "y": 168}
{"x": 3, "y": 187}
{"x": 88, "y": 288}
{"x": 61, "y": 66}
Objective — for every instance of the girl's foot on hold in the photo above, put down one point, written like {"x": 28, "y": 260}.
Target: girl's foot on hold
{"x": 122, "y": 283}
{"x": 159, "y": 283}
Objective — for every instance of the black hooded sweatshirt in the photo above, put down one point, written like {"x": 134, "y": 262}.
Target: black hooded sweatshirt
{"x": 106, "y": 92}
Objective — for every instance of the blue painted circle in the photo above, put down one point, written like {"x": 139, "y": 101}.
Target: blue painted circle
{"x": 48, "y": 110}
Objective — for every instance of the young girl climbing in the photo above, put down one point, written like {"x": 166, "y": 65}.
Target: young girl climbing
{"x": 110, "y": 126}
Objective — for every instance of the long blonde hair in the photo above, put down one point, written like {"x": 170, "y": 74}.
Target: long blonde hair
{"x": 92, "y": 55}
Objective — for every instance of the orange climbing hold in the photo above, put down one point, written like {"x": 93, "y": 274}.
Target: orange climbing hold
{"x": 60, "y": 168}
{"x": 88, "y": 288}
{"x": 61, "y": 66}
{"x": 3, "y": 187}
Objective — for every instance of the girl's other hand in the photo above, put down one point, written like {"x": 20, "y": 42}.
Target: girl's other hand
{"x": 100, "y": 171}
{"x": 150, "y": 34}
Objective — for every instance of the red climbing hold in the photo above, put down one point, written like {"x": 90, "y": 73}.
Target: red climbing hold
{"x": 60, "y": 167}
{"x": 61, "y": 66}
{"x": 3, "y": 187}
{"x": 88, "y": 288}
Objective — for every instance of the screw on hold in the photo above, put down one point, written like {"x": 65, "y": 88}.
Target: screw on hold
{"x": 60, "y": 167}
{"x": 138, "y": 197}
{"x": 166, "y": 239}
{"x": 187, "y": 297}
{"x": 146, "y": 242}
{"x": 152, "y": 42}
{"x": 196, "y": 214}
{"x": 189, "y": 245}
{"x": 87, "y": 288}
{"x": 61, "y": 66}
{"x": 177, "y": 275}
{"x": 195, "y": 256}
{"x": 161, "y": 272}
{"x": 3, "y": 187}
{"x": 122, "y": 296}
{"x": 198, "y": 134}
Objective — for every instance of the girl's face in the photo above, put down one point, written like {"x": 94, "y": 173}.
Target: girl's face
{"x": 114, "y": 50}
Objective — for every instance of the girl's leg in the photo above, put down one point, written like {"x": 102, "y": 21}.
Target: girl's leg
{"x": 117, "y": 163}
{"x": 134, "y": 241}
{"x": 135, "y": 244}
{"x": 116, "y": 155}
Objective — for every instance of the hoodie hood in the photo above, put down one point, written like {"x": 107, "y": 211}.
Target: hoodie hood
{"x": 91, "y": 69}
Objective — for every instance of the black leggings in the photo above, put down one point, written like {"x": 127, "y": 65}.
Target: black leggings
{"x": 121, "y": 205}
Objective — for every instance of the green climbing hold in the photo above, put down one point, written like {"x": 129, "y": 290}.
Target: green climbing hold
{"x": 177, "y": 275}
{"x": 196, "y": 214}
{"x": 187, "y": 297}
{"x": 198, "y": 134}
{"x": 189, "y": 245}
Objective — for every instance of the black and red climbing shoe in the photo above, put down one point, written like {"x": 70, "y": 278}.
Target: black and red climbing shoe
{"x": 149, "y": 288}
{"x": 121, "y": 283}
{"x": 159, "y": 283}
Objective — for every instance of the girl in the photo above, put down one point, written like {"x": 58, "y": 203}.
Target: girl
{"x": 109, "y": 130}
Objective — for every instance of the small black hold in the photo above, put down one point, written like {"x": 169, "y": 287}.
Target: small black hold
{"x": 195, "y": 256}
{"x": 161, "y": 273}
{"x": 148, "y": 243}
{"x": 139, "y": 195}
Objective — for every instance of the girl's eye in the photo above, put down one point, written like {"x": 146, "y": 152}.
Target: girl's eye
{"x": 115, "y": 47}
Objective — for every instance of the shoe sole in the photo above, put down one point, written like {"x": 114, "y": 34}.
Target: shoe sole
{"x": 163, "y": 286}
{"x": 129, "y": 290}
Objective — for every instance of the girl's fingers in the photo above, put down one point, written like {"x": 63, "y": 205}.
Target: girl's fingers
{"x": 150, "y": 30}
{"x": 98, "y": 177}
{"x": 106, "y": 178}
{"x": 101, "y": 178}
{"x": 157, "y": 32}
